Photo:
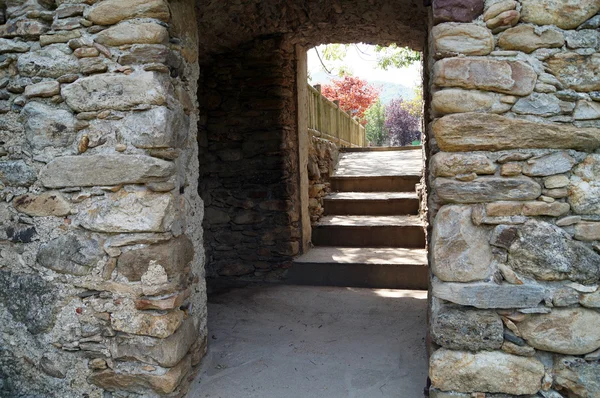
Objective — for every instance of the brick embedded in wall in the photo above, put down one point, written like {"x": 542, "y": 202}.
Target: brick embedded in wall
{"x": 514, "y": 177}
{"x": 101, "y": 282}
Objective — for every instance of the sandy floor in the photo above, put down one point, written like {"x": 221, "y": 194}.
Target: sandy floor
{"x": 303, "y": 342}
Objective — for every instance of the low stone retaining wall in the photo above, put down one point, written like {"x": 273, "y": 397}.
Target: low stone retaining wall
{"x": 322, "y": 159}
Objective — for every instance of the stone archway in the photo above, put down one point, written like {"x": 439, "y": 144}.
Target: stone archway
{"x": 102, "y": 262}
{"x": 257, "y": 218}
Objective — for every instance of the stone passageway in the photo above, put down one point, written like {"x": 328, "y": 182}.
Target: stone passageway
{"x": 325, "y": 341}
{"x": 305, "y": 341}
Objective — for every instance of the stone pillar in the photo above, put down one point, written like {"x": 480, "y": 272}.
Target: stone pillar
{"x": 514, "y": 183}
{"x": 101, "y": 260}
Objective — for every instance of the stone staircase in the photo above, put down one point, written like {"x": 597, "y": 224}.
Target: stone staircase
{"x": 371, "y": 235}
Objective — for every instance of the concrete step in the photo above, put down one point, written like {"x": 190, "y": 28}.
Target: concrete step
{"x": 383, "y": 149}
{"x": 371, "y": 203}
{"x": 388, "y": 183}
{"x": 369, "y": 231}
{"x": 385, "y": 268}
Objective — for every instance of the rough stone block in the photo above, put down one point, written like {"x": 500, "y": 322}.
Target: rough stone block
{"x": 584, "y": 188}
{"x": 110, "y": 12}
{"x": 538, "y": 104}
{"x": 11, "y": 46}
{"x": 508, "y": 77}
{"x": 174, "y": 256}
{"x": 489, "y": 295}
{"x": 465, "y": 329}
{"x": 35, "y": 311}
{"x": 47, "y": 126}
{"x": 47, "y": 62}
{"x": 116, "y": 91}
{"x": 554, "y": 163}
{"x": 587, "y": 110}
{"x": 587, "y": 231}
{"x": 570, "y": 331}
{"x": 487, "y": 132}
{"x": 456, "y": 10}
{"x": 444, "y": 164}
{"x": 577, "y": 376}
{"x": 460, "y": 250}
{"x": 555, "y": 209}
{"x": 161, "y": 381}
{"x": 164, "y": 352}
{"x": 43, "y": 205}
{"x": 130, "y": 33}
{"x": 495, "y": 372}
{"x": 566, "y": 14}
{"x": 42, "y": 90}
{"x": 147, "y": 323}
{"x": 591, "y": 300}
{"x": 578, "y": 72}
{"x": 139, "y": 211}
{"x": 23, "y": 28}
{"x": 455, "y": 100}
{"x": 487, "y": 189}
{"x": 145, "y": 54}
{"x": 458, "y": 38}
{"x": 546, "y": 252}
{"x": 17, "y": 173}
{"x": 73, "y": 254}
{"x": 113, "y": 169}
{"x": 524, "y": 38}
{"x": 159, "y": 127}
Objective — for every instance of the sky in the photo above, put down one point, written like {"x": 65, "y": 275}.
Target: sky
{"x": 363, "y": 64}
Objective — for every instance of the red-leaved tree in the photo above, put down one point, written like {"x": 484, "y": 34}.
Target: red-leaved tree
{"x": 355, "y": 95}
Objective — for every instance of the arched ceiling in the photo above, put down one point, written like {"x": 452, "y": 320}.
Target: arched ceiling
{"x": 225, "y": 24}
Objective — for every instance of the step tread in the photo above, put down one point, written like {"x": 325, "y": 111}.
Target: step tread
{"x": 377, "y": 164}
{"x": 364, "y": 255}
{"x": 370, "y": 221}
{"x": 371, "y": 195}
{"x": 383, "y": 148}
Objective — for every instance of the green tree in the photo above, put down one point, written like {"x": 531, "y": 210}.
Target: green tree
{"x": 394, "y": 56}
{"x": 377, "y": 134}
{"x": 333, "y": 55}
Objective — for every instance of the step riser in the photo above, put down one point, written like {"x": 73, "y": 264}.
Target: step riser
{"x": 371, "y": 236}
{"x": 389, "y": 207}
{"x": 375, "y": 184}
{"x": 382, "y": 276}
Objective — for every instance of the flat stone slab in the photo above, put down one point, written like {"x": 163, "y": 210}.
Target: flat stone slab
{"x": 380, "y": 163}
{"x": 370, "y": 221}
{"x": 371, "y": 195}
{"x": 489, "y": 295}
{"x": 364, "y": 255}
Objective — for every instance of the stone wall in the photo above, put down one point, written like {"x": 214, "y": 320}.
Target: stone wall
{"x": 249, "y": 160}
{"x": 101, "y": 260}
{"x": 514, "y": 182}
{"x": 322, "y": 159}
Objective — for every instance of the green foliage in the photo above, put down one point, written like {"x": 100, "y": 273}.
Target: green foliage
{"x": 394, "y": 56}
{"x": 415, "y": 105}
{"x": 376, "y": 132}
{"x": 335, "y": 52}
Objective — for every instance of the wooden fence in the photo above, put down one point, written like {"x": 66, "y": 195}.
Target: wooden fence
{"x": 327, "y": 120}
